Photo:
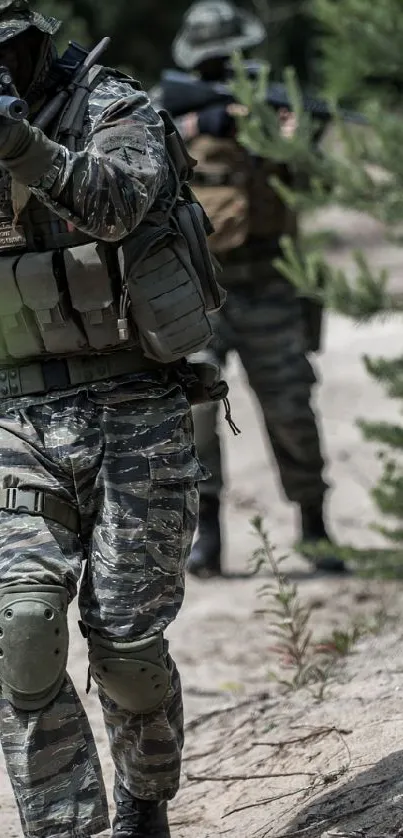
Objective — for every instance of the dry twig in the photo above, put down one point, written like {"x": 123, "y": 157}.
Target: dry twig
{"x": 229, "y": 777}
{"x": 264, "y": 801}
{"x": 313, "y": 735}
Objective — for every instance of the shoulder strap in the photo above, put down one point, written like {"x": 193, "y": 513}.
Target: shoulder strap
{"x": 179, "y": 157}
{"x": 72, "y": 119}
{"x": 70, "y": 125}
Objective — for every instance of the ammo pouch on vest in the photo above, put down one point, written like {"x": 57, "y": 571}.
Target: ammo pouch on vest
{"x": 60, "y": 302}
{"x": 194, "y": 225}
{"x": 169, "y": 300}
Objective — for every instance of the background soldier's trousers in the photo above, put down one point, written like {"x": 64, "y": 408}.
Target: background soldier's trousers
{"x": 126, "y": 457}
{"x": 262, "y": 321}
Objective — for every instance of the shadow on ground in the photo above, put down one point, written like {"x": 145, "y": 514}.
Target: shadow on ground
{"x": 368, "y": 806}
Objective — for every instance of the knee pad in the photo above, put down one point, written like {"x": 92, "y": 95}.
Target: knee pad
{"x": 134, "y": 675}
{"x": 34, "y": 644}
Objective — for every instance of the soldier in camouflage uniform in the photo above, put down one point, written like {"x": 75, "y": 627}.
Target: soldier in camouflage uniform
{"x": 97, "y": 462}
{"x": 262, "y": 319}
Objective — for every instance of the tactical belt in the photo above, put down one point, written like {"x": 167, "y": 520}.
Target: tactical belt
{"x": 44, "y": 504}
{"x": 44, "y": 376}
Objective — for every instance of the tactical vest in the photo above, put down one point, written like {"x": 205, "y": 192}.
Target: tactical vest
{"x": 63, "y": 294}
{"x": 233, "y": 188}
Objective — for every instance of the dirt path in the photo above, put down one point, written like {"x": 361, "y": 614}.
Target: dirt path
{"x": 346, "y": 776}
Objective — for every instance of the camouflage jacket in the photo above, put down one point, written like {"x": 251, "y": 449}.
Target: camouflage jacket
{"x": 107, "y": 188}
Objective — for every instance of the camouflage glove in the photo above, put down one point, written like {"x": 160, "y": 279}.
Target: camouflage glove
{"x": 216, "y": 121}
{"x": 25, "y": 151}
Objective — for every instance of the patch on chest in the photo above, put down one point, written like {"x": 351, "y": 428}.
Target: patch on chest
{"x": 11, "y": 237}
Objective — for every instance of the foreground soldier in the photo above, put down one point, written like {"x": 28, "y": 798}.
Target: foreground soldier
{"x": 96, "y": 451}
{"x": 262, "y": 319}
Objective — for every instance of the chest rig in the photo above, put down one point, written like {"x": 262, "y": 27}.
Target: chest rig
{"x": 234, "y": 188}
{"x": 144, "y": 301}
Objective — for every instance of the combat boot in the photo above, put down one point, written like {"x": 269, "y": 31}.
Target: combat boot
{"x": 138, "y": 818}
{"x": 205, "y": 557}
{"x": 313, "y": 535}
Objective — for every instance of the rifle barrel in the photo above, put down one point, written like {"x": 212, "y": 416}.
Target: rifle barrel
{"x": 13, "y": 108}
{"x": 92, "y": 58}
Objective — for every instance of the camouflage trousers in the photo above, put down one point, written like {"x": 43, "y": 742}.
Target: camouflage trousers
{"x": 125, "y": 456}
{"x": 262, "y": 321}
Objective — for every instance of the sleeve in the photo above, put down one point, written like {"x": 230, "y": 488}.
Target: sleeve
{"x": 107, "y": 189}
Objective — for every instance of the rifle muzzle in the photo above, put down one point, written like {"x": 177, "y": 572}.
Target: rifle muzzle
{"x": 13, "y": 108}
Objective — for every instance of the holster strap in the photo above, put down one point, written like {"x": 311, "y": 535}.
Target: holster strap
{"x": 43, "y": 504}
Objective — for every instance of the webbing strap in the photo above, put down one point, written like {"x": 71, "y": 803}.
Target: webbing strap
{"x": 44, "y": 504}
{"x": 180, "y": 158}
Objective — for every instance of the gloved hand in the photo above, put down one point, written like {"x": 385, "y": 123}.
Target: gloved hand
{"x": 25, "y": 151}
{"x": 216, "y": 121}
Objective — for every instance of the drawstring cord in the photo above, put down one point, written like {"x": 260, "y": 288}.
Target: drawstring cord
{"x": 123, "y": 326}
{"x": 228, "y": 417}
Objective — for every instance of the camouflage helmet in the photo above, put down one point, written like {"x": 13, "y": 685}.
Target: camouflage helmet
{"x": 213, "y": 29}
{"x": 16, "y": 16}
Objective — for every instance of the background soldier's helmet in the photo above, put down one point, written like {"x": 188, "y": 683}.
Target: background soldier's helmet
{"x": 214, "y": 29}
{"x": 16, "y": 16}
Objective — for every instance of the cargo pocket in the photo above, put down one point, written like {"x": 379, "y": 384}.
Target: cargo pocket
{"x": 92, "y": 295}
{"x": 19, "y": 331}
{"x": 40, "y": 282}
{"x": 173, "y": 504}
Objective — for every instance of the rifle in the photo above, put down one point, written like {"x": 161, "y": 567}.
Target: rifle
{"x": 183, "y": 93}
{"x": 15, "y": 109}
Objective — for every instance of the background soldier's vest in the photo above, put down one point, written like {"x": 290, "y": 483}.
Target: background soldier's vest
{"x": 63, "y": 294}
{"x": 234, "y": 190}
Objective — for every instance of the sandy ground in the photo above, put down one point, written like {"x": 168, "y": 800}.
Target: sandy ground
{"x": 258, "y": 763}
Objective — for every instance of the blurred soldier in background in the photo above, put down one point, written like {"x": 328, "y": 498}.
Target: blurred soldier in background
{"x": 263, "y": 319}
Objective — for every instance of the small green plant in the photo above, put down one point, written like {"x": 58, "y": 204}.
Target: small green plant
{"x": 308, "y": 663}
{"x": 305, "y": 662}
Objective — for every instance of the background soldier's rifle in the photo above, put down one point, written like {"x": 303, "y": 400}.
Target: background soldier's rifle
{"x": 184, "y": 93}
